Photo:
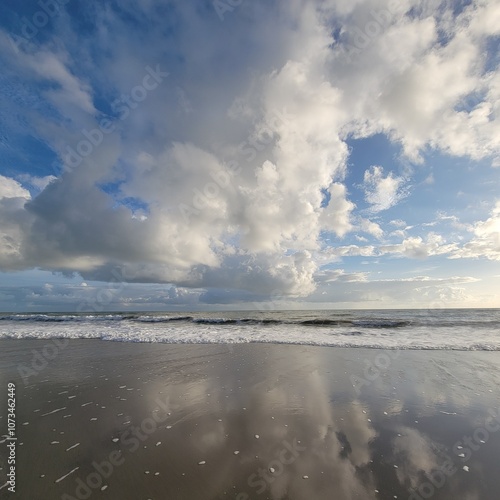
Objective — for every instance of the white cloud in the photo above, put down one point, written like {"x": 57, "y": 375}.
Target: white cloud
{"x": 414, "y": 247}
{"x": 398, "y": 223}
{"x": 39, "y": 183}
{"x": 13, "y": 223}
{"x": 348, "y": 251}
{"x": 383, "y": 192}
{"x": 331, "y": 275}
{"x": 416, "y": 84}
{"x": 426, "y": 279}
{"x": 371, "y": 227}
{"x": 483, "y": 242}
{"x": 360, "y": 290}
{"x": 10, "y": 188}
{"x": 486, "y": 240}
{"x": 418, "y": 248}
{"x": 336, "y": 216}
{"x": 283, "y": 113}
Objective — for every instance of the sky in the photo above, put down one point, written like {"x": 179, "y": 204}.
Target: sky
{"x": 237, "y": 154}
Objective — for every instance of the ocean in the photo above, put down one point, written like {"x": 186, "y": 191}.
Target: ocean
{"x": 443, "y": 329}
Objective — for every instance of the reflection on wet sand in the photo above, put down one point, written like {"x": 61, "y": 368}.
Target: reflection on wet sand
{"x": 256, "y": 422}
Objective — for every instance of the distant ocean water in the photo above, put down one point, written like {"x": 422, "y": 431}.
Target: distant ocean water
{"x": 454, "y": 329}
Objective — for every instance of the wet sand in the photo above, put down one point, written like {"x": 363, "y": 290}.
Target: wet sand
{"x": 131, "y": 421}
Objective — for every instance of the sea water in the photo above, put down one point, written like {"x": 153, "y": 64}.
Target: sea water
{"x": 455, "y": 329}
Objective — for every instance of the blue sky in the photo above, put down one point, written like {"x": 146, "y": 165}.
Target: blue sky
{"x": 160, "y": 155}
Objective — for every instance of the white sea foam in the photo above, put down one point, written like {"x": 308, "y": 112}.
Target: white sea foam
{"x": 451, "y": 329}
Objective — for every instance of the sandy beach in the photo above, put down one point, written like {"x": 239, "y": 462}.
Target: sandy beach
{"x": 159, "y": 421}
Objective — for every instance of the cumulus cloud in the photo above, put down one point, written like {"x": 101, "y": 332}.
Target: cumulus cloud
{"x": 336, "y": 216}
{"x": 13, "y": 222}
{"x": 442, "y": 62}
{"x": 486, "y": 240}
{"x": 216, "y": 177}
{"x": 483, "y": 242}
{"x": 413, "y": 247}
{"x": 383, "y": 192}
{"x": 371, "y": 227}
{"x": 37, "y": 183}
{"x": 10, "y": 188}
{"x": 331, "y": 275}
